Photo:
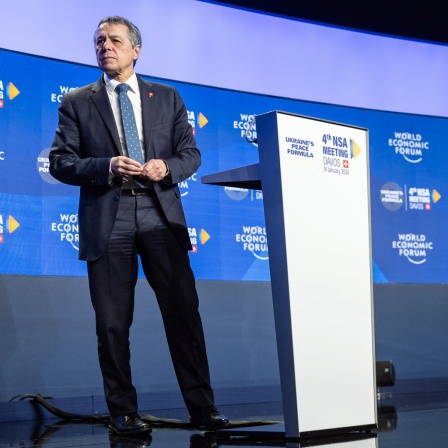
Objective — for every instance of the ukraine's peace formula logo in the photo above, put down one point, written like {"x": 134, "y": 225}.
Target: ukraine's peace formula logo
{"x": 413, "y": 198}
{"x": 334, "y": 151}
{"x": 299, "y": 147}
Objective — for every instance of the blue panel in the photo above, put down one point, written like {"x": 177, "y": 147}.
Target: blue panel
{"x": 38, "y": 221}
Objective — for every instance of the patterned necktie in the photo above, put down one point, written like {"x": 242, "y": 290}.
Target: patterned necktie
{"x": 129, "y": 124}
{"x": 130, "y": 128}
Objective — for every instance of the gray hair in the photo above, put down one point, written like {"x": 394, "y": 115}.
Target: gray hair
{"x": 133, "y": 32}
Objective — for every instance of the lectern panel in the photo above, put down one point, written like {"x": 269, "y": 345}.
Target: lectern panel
{"x": 316, "y": 197}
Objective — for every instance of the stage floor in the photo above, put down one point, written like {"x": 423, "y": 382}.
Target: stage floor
{"x": 405, "y": 421}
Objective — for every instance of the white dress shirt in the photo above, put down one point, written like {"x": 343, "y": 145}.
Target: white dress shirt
{"x": 134, "y": 96}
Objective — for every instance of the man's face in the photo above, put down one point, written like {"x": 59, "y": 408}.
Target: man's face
{"x": 114, "y": 52}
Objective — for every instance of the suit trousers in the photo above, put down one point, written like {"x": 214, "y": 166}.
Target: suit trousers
{"x": 141, "y": 230}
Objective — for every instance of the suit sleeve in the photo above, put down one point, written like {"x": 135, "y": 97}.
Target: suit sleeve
{"x": 68, "y": 163}
{"x": 185, "y": 158}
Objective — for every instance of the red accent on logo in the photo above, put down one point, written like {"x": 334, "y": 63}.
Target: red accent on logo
{"x": 195, "y": 249}
{"x": 1, "y": 238}
{"x": 2, "y": 104}
{"x": 345, "y": 163}
{"x": 427, "y": 206}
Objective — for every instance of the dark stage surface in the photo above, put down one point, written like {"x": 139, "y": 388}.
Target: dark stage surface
{"x": 405, "y": 421}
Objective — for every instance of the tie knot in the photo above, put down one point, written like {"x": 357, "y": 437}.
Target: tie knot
{"x": 122, "y": 87}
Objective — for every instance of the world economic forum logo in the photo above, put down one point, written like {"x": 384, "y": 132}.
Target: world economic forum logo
{"x": 185, "y": 185}
{"x": 411, "y": 146}
{"x": 253, "y": 239}
{"x": 67, "y": 229}
{"x": 414, "y": 247}
{"x": 247, "y": 128}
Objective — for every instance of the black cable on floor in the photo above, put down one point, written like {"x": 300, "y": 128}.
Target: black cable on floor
{"x": 104, "y": 418}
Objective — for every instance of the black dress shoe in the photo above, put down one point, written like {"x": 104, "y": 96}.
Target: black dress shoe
{"x": 209, "y": 418}
{"x": 128, "y": 424}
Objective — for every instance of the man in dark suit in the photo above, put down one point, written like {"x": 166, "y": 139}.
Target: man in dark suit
{"x": 129, "y": 209}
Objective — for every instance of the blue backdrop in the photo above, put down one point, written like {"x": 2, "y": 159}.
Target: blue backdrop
{"x": 38, "y": 215}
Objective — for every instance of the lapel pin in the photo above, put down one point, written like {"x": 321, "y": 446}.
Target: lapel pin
{"x": 150, "y": 94}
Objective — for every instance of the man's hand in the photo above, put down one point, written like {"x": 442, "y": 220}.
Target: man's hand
{"x": 155, "y": 169}
{"x": 125, "y": 167}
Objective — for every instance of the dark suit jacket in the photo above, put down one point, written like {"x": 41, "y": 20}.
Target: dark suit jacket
{"x": 87, "y": 138}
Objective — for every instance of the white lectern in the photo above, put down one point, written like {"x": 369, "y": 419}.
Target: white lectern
{"x": 315, "y": 180}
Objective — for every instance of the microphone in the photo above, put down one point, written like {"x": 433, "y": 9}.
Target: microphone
{"x": 251, "y": 125}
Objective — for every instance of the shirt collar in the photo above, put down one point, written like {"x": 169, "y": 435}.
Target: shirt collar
{"x": 111, "y": 83}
